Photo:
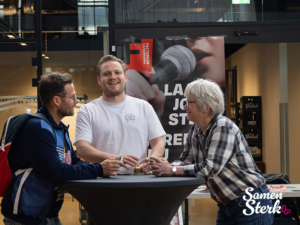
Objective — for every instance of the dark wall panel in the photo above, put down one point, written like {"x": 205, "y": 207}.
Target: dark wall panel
{"x": 267, "y": 33}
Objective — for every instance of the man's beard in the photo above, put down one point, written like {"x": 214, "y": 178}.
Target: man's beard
{"x": 65, "y": 113}
{"x": 114, "y": 93}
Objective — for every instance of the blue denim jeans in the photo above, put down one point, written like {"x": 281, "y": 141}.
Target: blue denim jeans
{"x": 47, "y": 221}
{"x": 232, "y": 212}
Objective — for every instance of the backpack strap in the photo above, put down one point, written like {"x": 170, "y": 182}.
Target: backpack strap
{"x": 15, "y": 123}
{"x": 43, "y": 117}
{"x": 26, "y": 174}
{"x": 5, "y": 132}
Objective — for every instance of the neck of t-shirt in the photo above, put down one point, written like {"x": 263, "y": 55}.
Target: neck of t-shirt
{"x": 114, "y": 99}
{"x": 112, "y": 103}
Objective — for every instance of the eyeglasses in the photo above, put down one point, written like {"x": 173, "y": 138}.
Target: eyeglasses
{"x": 189, "y": 102}
{"x": 73, "y": 97}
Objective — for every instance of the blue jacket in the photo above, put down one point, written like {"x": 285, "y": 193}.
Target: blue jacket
{"x": 36, "y": 148}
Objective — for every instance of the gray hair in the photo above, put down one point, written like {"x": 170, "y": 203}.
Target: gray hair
{"x": 206, "y": 92}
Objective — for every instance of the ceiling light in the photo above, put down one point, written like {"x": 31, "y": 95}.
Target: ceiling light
{"x": 10, "y": 36}
{"x": 23, "y": 44}
{"x": 43, "y": 55}
{"x": 46, "y": 57}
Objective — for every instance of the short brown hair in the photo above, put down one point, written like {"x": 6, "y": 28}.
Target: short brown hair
{"x": 108, "y": 58}
{"x": 53, "y": 84}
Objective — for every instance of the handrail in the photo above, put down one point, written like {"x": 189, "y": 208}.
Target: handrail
{"x": 10, "y": 102}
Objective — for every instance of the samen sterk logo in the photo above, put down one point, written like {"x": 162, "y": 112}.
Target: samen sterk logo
{"x": 130, "y": 117}
{"x": 251, "y": 202}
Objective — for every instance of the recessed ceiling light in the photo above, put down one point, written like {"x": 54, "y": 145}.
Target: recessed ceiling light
{"x": 11, "y": 36}
{"x": 23, "y": 44}
{"x": 46, "y": 57}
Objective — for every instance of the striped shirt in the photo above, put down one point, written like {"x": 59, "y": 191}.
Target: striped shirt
{"x": 222, "y": 156}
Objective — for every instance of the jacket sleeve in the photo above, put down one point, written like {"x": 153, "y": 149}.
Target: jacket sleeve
{"x": 44, "y": 158}
{"x": 75, "y": 159}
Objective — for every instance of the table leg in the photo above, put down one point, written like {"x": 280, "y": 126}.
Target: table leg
{"x": 88, "y": 220}
{"x": 149, "y": 206}
{"x": 186, "y": 214}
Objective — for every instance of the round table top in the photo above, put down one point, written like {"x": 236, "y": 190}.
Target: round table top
{"x": 134, "y": 181}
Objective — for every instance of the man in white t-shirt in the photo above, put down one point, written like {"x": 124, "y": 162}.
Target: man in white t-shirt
{"x": 117, "y": 124}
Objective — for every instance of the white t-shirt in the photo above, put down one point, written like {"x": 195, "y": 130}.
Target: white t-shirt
{"x": 122, "y": 128}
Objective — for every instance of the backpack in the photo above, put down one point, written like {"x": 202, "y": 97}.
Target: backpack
{"x": 10, "y": 134}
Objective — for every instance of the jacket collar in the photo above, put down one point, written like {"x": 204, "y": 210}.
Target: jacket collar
{"x": 61, "y": 125}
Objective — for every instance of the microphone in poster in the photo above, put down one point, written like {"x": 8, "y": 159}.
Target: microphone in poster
{"x": 172, "y": 65}
{"x": 176, "y": 63}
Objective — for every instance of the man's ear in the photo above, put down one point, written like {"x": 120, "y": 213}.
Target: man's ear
{"x": 56, "y": 100}
{"x": 125, "y": 75}
{"x": 98, "y": 80}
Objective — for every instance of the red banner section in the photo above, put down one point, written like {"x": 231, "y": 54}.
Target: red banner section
{"x": 143, "y": 60}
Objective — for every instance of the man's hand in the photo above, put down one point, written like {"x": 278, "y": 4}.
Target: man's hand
{"x": 138, "y": 87}
{"x": 160, "y": 167}
{"x": 145, "y": 165}
{"x": 128, "y": 159}
{"x": 111, "y": 166}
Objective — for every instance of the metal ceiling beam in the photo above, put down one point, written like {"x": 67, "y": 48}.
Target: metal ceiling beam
{"x": 39, "y": 37}
{"x": 18, "y": 40}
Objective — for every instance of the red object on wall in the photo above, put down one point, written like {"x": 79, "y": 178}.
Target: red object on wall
{"x": 143, "y": 60}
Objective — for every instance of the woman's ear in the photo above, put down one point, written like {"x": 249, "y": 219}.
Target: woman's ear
{"x": 207, "y": 108}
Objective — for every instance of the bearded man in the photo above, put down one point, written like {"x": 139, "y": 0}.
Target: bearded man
{"x": 46, "y": 152}
{"x": 116, "y": 124}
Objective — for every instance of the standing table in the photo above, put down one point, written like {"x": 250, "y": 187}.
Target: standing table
{"x": 132, "y": 200}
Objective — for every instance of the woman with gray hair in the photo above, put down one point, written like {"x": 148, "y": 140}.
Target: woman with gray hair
{"x": 217, "y": 150}
{"x": 206, "y": 92}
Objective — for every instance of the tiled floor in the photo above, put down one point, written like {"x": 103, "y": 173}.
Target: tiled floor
{"x": 203, "y": 212}
{"x": 69, "y": 214}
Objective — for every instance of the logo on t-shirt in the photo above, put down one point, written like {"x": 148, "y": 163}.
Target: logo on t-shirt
{"x": 130, "y": 117}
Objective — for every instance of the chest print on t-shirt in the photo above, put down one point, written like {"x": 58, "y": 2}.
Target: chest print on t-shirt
{"x": 130, "y": 117}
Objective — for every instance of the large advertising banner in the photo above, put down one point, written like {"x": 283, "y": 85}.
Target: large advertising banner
{"x": 158, "y": 71}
